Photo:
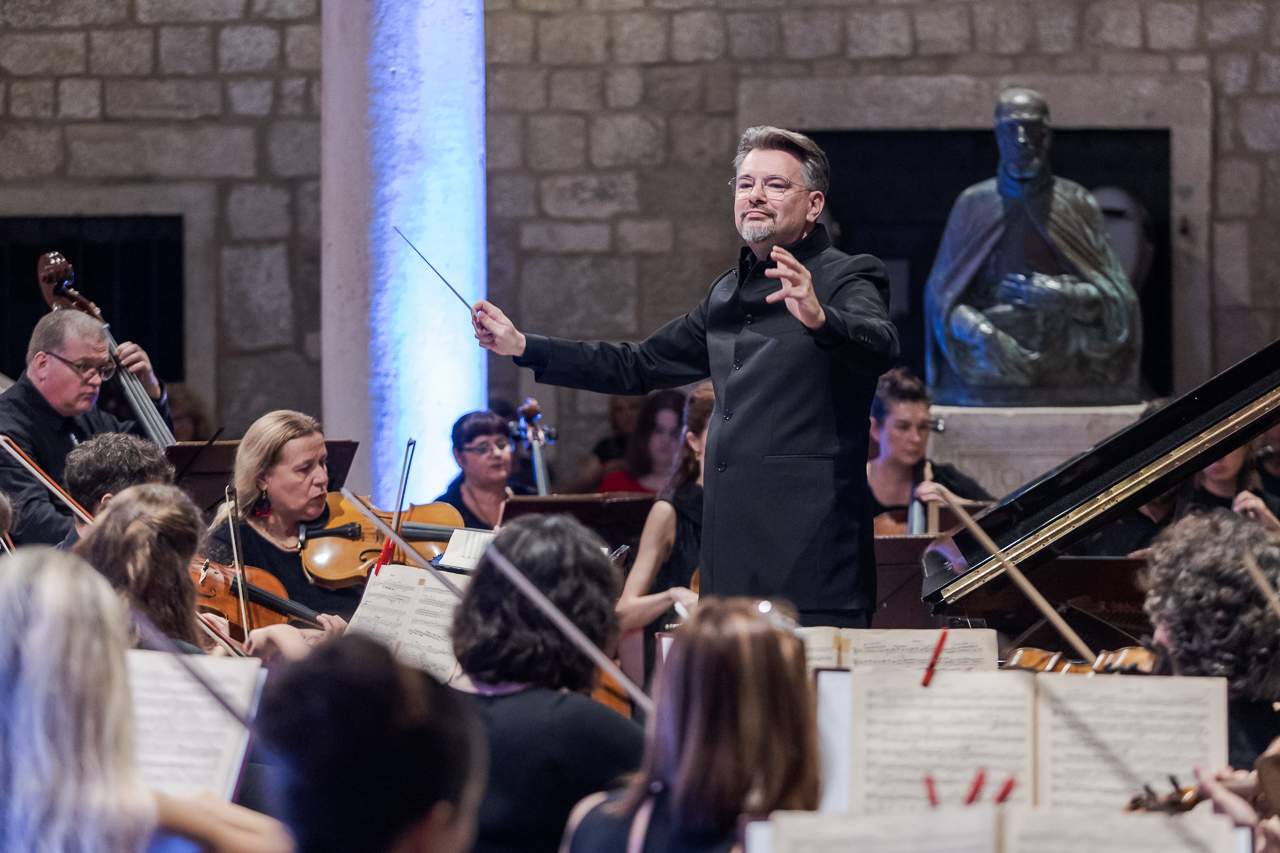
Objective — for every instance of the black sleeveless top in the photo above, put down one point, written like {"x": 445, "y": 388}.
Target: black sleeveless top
{"x": 604, "y": 831}
{"x": 686, "y": 556}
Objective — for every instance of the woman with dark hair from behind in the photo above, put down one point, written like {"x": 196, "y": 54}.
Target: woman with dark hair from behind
{"x": 377, "y": 757}
{"x": 482, "y": 448}
{"x": 1214, "y": 620}
{"x": 549, "y": 744}
{"x": 734, "y": 735}
{"x": 671, "y": 542}
{"x": 652, "y": 448}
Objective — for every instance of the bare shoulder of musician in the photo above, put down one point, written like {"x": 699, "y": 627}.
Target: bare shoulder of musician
{"x": 377, "y": 756}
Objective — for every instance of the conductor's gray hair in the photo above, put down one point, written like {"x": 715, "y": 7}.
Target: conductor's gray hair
{"x": 813, "y": 160}
{"x": 55, "y": 329}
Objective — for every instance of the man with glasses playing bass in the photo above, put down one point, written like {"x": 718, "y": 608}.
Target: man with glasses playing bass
{"x": 50, "y": 409}
{"x": 793, "y": 339}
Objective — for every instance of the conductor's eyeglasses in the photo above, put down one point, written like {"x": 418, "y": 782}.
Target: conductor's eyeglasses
{"x": 775, "y": 186}
{"x": 86, "y": 372}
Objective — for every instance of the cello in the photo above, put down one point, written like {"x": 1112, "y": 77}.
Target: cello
{"x": 56, "y": 277}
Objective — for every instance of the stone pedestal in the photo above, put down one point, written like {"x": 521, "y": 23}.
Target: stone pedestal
{"x": 1005, "y": 448}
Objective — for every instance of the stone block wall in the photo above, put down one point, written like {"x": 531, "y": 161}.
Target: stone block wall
{"x": 224, "y": 93}
{"x": 612, "y": 124}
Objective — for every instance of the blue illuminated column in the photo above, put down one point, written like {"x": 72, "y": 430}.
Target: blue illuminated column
{"x": 403, "y": 130}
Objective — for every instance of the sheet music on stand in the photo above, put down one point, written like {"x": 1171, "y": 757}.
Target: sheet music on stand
{"x": 184, "y": 740}
{"x": 411, "y": 612}
{"x": 466, "y": 547}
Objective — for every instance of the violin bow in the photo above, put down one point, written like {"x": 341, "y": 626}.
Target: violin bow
{"x": 389, "y": 547}
{"x": 1042, "y": 604}
{"x": 526, "y": 586}
{"x": 234, "y": 526}
{"x": 6, "y": 544}
{"x": 32, "y": 468}
{"x": 1264, "y": 586}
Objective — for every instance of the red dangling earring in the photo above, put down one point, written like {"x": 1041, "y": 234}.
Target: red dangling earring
{"x": 262, "y": 506}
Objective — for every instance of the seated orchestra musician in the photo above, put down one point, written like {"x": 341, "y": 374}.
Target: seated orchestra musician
{"x": 1231, "y": 482}
{"x": 734, "y": 735}
{"x": 68, "y": 780}
{"x": 671, "y": 542}
{"x": 900, "y": 426}
{"x": 50, "y": 409}
{"x": 281, "y": 482}
{"x": 1214, "y": 621}
{"x": 549, "y": 744}
{"x": 482, "y": 448}
{"x": 610, "y": 452}
{"x": 376, "y": 757}
{"x": 653, "y": 446}
{"x": 99, "y": 469}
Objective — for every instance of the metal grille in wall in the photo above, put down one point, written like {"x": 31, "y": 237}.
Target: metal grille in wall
{"x": 131, "y": 266}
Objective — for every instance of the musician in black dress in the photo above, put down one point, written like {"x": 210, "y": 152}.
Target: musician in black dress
{"x": 549, "y": 744}
{"x": 281, "y": 481}
{"x": 735, "y": 737}
{"x": 900, "y": 425}
{"x": 50, "y": 409}
{"x": 482, "y": 448}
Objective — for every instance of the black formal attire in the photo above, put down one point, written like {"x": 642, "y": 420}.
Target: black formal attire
{"x": 604, "y": 831}
{"x": 1251, "y": 726}
{"x": 453, "y": 497}
{"x": 547, "y": 750}
{"x": 685, "y": 557}
{"x": 47, "y": 437}
{"x": 609, "y": 448}
{"x": 787, "y": 511}
{"x": 261, "y": 553}
{"x": 949, "y": 477}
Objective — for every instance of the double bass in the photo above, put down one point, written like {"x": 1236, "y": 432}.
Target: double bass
{"x": 56, "y": 277}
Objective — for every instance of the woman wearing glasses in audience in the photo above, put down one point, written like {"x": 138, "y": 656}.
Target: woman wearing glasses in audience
{"x": 482, "y": 449}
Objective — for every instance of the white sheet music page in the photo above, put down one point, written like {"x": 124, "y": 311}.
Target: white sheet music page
{"x": 466, "y": 547}
{"x": 185, "y": 741}
{"x": 1101, "y": 737}
{"x": 910, "y": 648}
{"x": 943, "y": 830}
{"x": 1045, "y": 830}
{"x": 821, "y": 647}
{"x": 411, "y": 612}
{"x": 961, "y": 722}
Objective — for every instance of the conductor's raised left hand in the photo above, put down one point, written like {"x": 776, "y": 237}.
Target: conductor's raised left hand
{"x": 796, "y": 290}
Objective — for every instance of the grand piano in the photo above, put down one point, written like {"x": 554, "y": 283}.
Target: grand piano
{"x": 1035, "y": 526}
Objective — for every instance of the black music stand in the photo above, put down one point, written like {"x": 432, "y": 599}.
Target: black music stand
{"x": 209, "y": 468}
{"x": 617, "y": 516}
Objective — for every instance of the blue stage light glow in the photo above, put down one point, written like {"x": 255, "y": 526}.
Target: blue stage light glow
{"x": 426, "y": 125}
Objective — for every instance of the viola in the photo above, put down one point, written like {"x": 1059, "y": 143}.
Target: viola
{"x": 338, "y": 549}
{"x": 56, "y": 276}
{"x": 218, "y": 592}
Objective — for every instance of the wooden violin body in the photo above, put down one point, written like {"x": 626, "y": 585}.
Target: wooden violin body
{"x": 338, "y": 550}
{"x": 1131, "y": 660}
{"x": 218, "y": 592}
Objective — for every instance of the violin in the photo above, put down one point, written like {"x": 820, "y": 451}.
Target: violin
{"x": 1130, "y": 660}
{"x": 537, "y": 436}
{"x": 218, "y": 592}
{"x": 56, "y": 276}
{"x": 338, "y": 548}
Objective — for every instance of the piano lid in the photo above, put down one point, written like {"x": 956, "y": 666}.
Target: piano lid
{"x": 1045, "y": 517}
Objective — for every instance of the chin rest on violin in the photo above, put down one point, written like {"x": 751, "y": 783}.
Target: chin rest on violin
{"x": 1132, "y": 660}
{"x": 339, "y": 547}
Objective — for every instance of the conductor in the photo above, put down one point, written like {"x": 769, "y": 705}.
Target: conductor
{"x": 793, "y": 339}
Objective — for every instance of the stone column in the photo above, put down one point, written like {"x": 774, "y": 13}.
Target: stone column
{"x": 402, "y": 146}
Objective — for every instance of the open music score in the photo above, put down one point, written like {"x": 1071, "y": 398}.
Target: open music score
{"x": 411, "y": 612}
{"x": 898, "y": 648}
{"x": 466, "y": 547}
{"x": 1069, "y": 742}
{"x": 184, "y": 740}
{"x": 987, "y": 829}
